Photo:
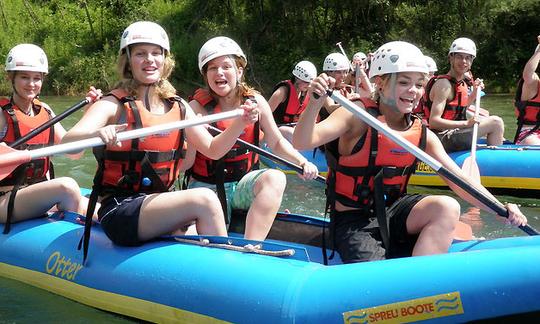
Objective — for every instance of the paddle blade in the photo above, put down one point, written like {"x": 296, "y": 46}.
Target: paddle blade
{"x": 470, "y": 168}
{"x": 10, "y": 159}
{"x": 463, "y": 232}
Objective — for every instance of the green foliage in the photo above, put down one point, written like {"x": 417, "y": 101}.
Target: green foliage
{"x": 81, "y": 37}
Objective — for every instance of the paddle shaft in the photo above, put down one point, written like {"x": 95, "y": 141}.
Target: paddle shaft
{"x": 271, "y": 156}
{"x": 470, "y": 167}
{"x": 493, "y": 204}
{"x": 475, "y": 128}
{"x": 50, "y": 123}
{"x": 344, "y": 54}
{"x": 123, "y": 136}
{"x": 357, "y": 78}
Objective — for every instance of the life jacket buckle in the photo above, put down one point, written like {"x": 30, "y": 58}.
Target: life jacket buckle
{"x": 129, "y": 178}
{"x": 362, "y": 192}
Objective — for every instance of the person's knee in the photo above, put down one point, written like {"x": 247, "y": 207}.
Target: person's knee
{"x": 68, "y": 187}
{"x": 273, "y": 179}
{"x": 448, "y": 211}
{"x": 205, "y": 198}
{"x": 497, "y": 123}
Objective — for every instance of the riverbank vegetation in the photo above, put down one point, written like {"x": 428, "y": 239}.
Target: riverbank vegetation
{"x": 81, "y": 38}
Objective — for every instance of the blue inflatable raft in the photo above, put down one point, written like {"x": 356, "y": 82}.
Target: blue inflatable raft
{"x": 508, "y": 168}
{"x": 210, "y": 279}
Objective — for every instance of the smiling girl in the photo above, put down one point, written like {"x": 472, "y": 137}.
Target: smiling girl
{"x": 222, "y": 64}
{"x": 372, "y": 215}
{"x": 31, "y": 190}
{"x": 135, "y": 178}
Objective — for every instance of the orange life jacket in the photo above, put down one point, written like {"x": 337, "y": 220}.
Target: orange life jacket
{"x": 289, "y": 111}
{"x": 18, "y": 125}
{"x": 149, "y": 164}
{"x": 238, "y": 161}
{"x": 456, "y": 108}
{"x": 373, "y": 153}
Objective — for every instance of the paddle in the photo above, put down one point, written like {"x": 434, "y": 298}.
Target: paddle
{"x": 481, "y": 111}
{"x": 338, "y": 44}
{"x": 269, "y": 155}
{"x": 493, "y": 204}
{"x": 11, "y": 158}
{"x": 470, "y": 167}
{"x": 50, "y": 122}
{"x": 357, "y": 78}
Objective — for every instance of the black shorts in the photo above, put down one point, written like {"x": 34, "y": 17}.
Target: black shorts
{"x": 119, "y": 217}
{"x": 456, "y": 139}
{"x": 357, "y": 237}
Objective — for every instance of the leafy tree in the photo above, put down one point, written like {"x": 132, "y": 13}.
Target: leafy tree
{"x": 81, "y": 37}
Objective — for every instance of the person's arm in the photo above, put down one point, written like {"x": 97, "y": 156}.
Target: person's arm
{"x": 92, "y": 95}
{"x": 478, "y": 85}
{"x": 530, "y": 77}
{"x": 365, "y": 84}
{"x": 189, "y": 159}
{"x": 277, "y": 98}
{"x": 216, "y": 147}
{"x": 436, "y": 150}
{"x": 439, "y": 94}
{"x": 97, "y": 121}
{"x": 308, "y": 133}
{"x": 279, "y": 144}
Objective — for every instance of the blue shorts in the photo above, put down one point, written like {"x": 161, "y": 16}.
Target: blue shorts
{"x": 119, "y": 218}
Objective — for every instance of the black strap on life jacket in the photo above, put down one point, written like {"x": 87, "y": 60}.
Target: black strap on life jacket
{"x": 19, "y": 174}
{"x": 380, "y": 209}
{"x": 92, "y": 201}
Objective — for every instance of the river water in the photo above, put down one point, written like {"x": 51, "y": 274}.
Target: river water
{"x": 20, "y": 303}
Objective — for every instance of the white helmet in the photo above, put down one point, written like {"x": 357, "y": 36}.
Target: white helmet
{"x": 305, "y": 71}
{"x": 397, "y": 57}
{"x": 27, "y": 57}
{"x": 144, "y": 32}
{"x": 432, "y": 66}
{"x": 219, "y": 46}
{"x": 359, "y": 56}
{"x": 463, "y": 45}
{"x": 336, "y": 62}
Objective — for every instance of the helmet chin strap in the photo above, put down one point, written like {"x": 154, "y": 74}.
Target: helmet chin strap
{"x": 390, "y": 102}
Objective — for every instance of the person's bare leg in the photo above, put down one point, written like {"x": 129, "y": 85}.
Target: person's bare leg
{"x": 434, "y": 218}
{"x": 268, "y": 191}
